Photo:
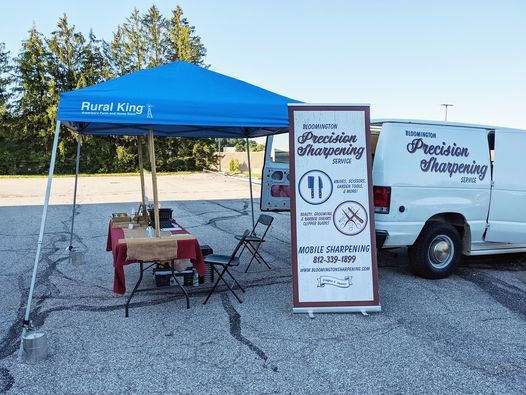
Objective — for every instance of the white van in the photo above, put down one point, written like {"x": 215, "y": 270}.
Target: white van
{"x": 440, "y": 188}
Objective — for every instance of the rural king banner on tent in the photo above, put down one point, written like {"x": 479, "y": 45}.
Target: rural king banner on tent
{"x": 333, "y": 241}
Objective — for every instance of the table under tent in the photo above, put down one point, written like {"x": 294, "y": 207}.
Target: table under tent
{"x": 174, "y": 100}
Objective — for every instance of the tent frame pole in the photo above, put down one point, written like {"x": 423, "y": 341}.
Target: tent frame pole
{"x": 77, "y": 163}
{"x": 154, "y": 184}
{"x": 27, "y": 323}
{"x": 250, "y": 182}
{"x": 141, "y": 171}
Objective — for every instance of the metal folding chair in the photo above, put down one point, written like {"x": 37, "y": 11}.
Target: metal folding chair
{"x": 253, "y": 242}
{"x": 226, "y": 262}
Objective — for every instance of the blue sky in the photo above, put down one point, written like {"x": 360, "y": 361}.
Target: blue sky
{"x": 405, "y": 58}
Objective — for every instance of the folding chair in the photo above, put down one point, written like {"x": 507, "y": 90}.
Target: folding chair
{"x": 253, "y": 241}
{"x": 226, "y": 262}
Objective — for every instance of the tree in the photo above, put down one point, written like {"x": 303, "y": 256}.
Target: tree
{"x": 154, "y": 25}
{"x": 149, "y": 40}
{"x": 5, "y": 80}
{"x": 241, "y": 145}
{"x": 95, "y": 66}
{"x": 115, "y": 54}
{"x": 256, "y": 147}
{"x": 181, "y": 41}
{"x": 33, "y": 101}
{"x": 32, "y": 75}
{"x": 65, "y": 47}
{"x": 5, "y": 119}
{"x": 46, "y": 67}
{"x": 68, "y": 60}
{"x": 135, "y": 44}
{"x": 74, "y": 63}
{"x": 65, "y": 52}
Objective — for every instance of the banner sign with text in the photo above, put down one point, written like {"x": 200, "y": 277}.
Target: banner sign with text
{"x": 333, "y": 241}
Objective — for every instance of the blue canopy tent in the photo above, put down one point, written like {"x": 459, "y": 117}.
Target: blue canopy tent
{"x": 174, "y": 100}
{"x": 177, "y": 99}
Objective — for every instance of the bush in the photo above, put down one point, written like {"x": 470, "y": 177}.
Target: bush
{"x": 234, "y": 166}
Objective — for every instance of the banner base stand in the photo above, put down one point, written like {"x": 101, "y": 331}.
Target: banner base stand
{"x": 337, "y": 309}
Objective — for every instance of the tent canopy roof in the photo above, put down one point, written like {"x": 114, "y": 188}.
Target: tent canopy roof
{"x": 176, "y": 99}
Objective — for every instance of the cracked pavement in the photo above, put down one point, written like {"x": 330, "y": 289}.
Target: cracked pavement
{"x": 464, "y": 334}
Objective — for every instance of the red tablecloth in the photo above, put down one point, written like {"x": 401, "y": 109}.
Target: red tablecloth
{"x": 186, "y": 249}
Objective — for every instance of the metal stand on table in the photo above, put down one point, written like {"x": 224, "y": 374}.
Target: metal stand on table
{"x": 170, "y": 270}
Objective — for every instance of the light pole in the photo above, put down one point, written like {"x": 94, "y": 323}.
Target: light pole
{"x": 446, "y": 106}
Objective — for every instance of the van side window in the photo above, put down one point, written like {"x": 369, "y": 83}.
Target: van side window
{"x": 491, "y": 143}
{"x": 375, "y": 133}
{"x": 280, "y": 148}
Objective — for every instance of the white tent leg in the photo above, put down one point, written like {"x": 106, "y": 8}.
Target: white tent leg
{"x": 75, "y": 193}
{"x": 26, "y": 321}
{"x": 250, "y": 182}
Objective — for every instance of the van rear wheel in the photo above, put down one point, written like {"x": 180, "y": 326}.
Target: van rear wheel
{"x": 436, "y": 252}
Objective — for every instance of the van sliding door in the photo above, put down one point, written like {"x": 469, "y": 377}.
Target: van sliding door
{"x": 275, "y": 193}
{"x": 507, "y": 213}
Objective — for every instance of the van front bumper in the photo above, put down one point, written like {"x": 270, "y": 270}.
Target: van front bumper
{"x": 381, "y": 236}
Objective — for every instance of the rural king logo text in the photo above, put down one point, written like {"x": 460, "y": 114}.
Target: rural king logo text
{"x": 327, "y": 145}
{"x": 119, "y": 108}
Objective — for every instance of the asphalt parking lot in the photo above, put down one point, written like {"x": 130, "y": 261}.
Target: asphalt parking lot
{"x": 464, "y": 334}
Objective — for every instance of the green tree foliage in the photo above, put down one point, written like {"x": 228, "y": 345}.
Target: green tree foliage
{"x": 5, "y": 79}
{"x": 234, "y": 166}
{"x": 241, "y": 145}
{"x": 181, "y": 42}
{"x": 76, "y": 62}
{"x": 30, "y": 139}
{"x": 154, "y": 27}
{"x": 68, "y": 60}
{"x": 5, "y": 94}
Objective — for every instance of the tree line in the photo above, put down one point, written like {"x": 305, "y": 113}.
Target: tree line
{"x": 31, "y": 82}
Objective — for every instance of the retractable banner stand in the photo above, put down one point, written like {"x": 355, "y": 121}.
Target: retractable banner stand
{"x": 333, "y": 239}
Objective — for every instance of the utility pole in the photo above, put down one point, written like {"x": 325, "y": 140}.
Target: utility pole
{"x": 446, "y": 106}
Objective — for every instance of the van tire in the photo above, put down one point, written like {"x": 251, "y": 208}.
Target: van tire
{"x": 436, "y": 252}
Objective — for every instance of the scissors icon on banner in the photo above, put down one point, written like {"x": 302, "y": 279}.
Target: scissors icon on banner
{"x": 350, "y": 218}
{"x": 354, "y": 215}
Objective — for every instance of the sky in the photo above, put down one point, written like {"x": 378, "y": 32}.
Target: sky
{"x": 403, "y": 57}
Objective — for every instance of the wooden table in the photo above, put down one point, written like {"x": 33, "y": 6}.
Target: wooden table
{"x": 116, "y": 243}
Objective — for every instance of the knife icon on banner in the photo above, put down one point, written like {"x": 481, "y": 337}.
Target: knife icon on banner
{"x": 310, "y": 185}
{"x": 320, "y": 186}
